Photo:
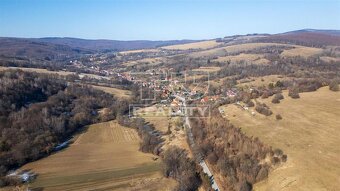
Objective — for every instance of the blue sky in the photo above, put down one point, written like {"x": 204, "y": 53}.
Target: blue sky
{"x": 162, "y": 19}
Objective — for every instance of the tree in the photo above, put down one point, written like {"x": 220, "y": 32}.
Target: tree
{"x": 334, "y": 86}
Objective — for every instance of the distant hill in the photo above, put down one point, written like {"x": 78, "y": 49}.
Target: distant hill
{"x": 102, "y": 45}
{"x": 27, "y": 48}
{"x": 63, "y": 48}
{"x": 307, "y": 37}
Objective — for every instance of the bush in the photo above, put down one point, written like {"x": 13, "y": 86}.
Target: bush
{"x": 334, "y": 86}
{"x": 250, "y": 104}
{"x": 279, "y": 96}
{"x": 275, "y": 100}
{"x": 263, "y": 109}
{"x": 294, "y": 93}
{"x": 263, "y": 174}
{"x": 278, "y": 117}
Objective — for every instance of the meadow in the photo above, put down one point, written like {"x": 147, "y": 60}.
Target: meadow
{"x": 308, "y": 133}
{"x": 104, "y": 156}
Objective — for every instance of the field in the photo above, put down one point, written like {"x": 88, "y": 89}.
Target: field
{"x": 207, "y": 69}
{"x": 330, "y": 59}
{"x": 301, "y": 51}
{"x": 221, "y": 52}
{"x": 149, "y": 61}
{"x": 177, "y": 137}
{"x": 195, "y": 45}
{"x": 38, "y": 70}
{"x": 104, "y": 157}
{"x": 44, "y": 71}
{"x": 253, "y": 58}
{"x": 308, "y": 133}
{"x": 138, "y": 51}
{"x": 115, "y": 91}
{"x": 262, "y": 81}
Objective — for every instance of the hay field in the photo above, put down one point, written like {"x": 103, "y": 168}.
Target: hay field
{"x": 250, "y": 46}
{"x": 139, "y": 51}
{"x": 308, "y": 133}
{"x": 207, "y": 69}
{"x": 253, "y": 58}
{"x": 195, "y": 45}
{"x": 104, "y": 157}
{"x": 44, "y": 71}
{"x": 261, "y": 81}
{"x": 330, "y": 59}
{"x": 177, "y": 137}
{"x": 114, "y": 91}
{"x": 301, "y": 51}
{"x": 220, "y": 52}
{"x": 149, "y": 61}
{"x": 38, "y": 70}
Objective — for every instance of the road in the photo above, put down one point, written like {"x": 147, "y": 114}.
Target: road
{"x": 202, "y": 163}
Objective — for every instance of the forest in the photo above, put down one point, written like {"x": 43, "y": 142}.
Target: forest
{"x": 39, "y": 111}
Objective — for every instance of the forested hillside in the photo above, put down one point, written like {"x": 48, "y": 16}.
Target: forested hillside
{"x": 38, "y": 111}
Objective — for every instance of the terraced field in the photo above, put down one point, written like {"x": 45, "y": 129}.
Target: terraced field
{"x": 104, "y": 157}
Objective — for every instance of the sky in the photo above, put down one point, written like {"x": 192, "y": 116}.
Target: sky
{"x": 162, "y": 19}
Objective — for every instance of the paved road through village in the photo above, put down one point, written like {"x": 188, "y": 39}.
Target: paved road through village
{"x": 189, "y": 134}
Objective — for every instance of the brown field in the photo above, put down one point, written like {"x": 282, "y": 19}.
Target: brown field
{"x": 195, "y": 45}
{"x": 221, "y": 52}
{"x": 207, "y": 69}
{"x": 262, "y": 81}
{"x": 251, "y": 46}
{"x": 44, "y": 71}
{"x": 253, "y": 58}
{"x": 301, "y": 51}
{"x": 114, "y": 91}
{"x": 38, "y": 70}
{"x": 308, "y": 133}
{"x": 177, "y": 137}
{"x": 330, "y": 59}
{"x": 149, "y": 61}
{"x": 138, "y": 51}
{"x": 103, "y": 157}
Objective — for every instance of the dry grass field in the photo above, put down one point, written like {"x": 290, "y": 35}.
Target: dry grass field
{"x": 250, "y": 46}
{"x": 301, "y": 51}
{"x": 177, "y": 137}
{"x": 251, "y": 58}
{"x": 44, "y": 71}
{"x": 38, "y": 70}
{"x": 148, "y": 61}
{"x": 138, "y": 51}
{"x": 308, "y": 133}
{"x": 195, "y": 45}
{"x": 104, "y": 157}
{"x": 262, "y": 81}
{"x": 207, "y": 69}
{"x": 330, "y": 59}
{"x": 221, "y": 52}
{"x": 115, "y": 91}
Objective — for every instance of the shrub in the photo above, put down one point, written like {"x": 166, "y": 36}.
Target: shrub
{"x": 263, "y": 109}
{"x": 334, "y": 86}
{"x": 250, "y": 104}
{"x": 263, "y": 174}
{"x": 294, "y": 93}
{"x": 279, "y": 96}
{"x": 275, "y": 100}
{"x": 278, "y": 117}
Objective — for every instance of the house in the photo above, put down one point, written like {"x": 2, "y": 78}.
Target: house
{"x": 205, "y": 99}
